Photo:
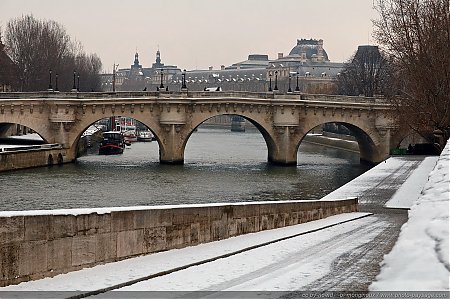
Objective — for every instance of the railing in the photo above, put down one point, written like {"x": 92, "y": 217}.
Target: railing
{"x": 190, "y": 95}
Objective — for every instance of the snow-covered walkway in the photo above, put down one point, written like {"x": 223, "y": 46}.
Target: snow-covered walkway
{"x": 420, "y": 259}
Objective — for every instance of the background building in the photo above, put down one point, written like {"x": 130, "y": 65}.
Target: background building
{"x": 307, "y": 64}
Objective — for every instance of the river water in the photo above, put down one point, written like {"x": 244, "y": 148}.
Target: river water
{"x": 220, "y": 166}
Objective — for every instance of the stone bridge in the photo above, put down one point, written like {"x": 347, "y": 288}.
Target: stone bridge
{"x": 282, "y": 119}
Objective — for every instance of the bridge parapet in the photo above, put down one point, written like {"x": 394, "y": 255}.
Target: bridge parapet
{"x": 190, "y": 95}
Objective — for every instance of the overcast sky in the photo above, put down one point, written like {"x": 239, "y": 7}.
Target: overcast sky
{"x": 195, "y": 34}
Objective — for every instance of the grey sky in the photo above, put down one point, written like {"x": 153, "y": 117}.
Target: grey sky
{"x": 201, "y": 33}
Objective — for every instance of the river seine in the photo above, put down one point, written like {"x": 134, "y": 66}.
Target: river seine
{"x": 220, "y": 166}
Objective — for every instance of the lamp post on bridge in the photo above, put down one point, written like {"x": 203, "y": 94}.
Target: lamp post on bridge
{"x": 50, "y": 87}
{"x": 74, "y": 87}
{"x": 297, "y": 88}
{"x": 289, "y": 89}
{"x": 161, "y": 85}
{"x": 276, "y": 81}
{"x": 56, "y": 83}
{"x": 183, "y": 80}
{"x": 270, "y": 81}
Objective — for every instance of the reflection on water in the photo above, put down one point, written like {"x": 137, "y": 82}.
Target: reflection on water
{"x": 220, "y": 166}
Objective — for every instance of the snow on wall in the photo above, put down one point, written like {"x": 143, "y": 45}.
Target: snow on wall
{"x": 419, "y": 260}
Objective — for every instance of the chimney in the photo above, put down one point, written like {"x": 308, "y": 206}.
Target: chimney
{"x": 222, "y": 67}
{"x": 280, "y": 55}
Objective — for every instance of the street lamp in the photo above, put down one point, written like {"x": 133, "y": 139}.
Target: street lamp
{"x": 270, "y": 81}
{"x": 74, "y": 87}
{"x": 50, "y": 87}
{"x": 78, "y": 82}
{"x": 56, "y": 78}
{"x": 183, "y": 80}
{"x": 276, "y": 80}
{"x": 297, "y": 88}
{"x": 162, "y": 85}
{"x": 289, "y": 89}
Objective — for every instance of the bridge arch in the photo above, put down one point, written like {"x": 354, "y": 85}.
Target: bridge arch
{"x": 261, "y": 126}
{"x": 41, "y": 131}
{"x": 80, "y": 127}
{"x": 368, "y": 140}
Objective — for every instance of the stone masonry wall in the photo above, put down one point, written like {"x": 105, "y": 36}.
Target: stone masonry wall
{"x": 37, "y": 246}
{"x": 31, "y": 158}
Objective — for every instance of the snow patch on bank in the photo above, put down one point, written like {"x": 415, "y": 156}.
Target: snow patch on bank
{"x": 409, "y": 192}
{"x": 419, "y": 260}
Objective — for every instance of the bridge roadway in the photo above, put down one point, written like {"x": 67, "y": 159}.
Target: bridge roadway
{"x": 283, "y": 119}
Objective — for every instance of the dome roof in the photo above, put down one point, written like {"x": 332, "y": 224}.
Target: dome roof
{"x": 310, "y": 47}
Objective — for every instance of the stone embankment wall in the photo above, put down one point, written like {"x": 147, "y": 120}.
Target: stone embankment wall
{"x": 333, "y": 142}
{"x": 35, "y": 244}
{"x": 32, "y": 156}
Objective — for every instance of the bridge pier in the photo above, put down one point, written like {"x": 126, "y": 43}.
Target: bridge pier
{"x": 284, "y": 151}
{"x": 171, "y": 149}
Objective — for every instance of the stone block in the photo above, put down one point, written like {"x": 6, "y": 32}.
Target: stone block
{"x": 156, "y": 218}
{"x": 219, "y": 230}
{"x": 36, "y": 227}
{"x": 154, "y": 239}
{"x": 205, "y": 232}
{"x": 174, "y": 236}
{"x": 83, "y": 250}
{"x": 219, "y": 213}
{"x": 93, "y": 224}
{"x": 244, "y": 211}
{"x": 182, "y": 216}
{"x": 59, "y": 254}
{"x": 12, "y": 229}
{"x": 194, "y": 234}
{"x": 9, "y": 262}
{"x": 122, "y": 221}
{"x": 106, "y": 247}
{"x": 61, "y": 226}
{"x": 32, "y": 257}
{"x": 130, "y": 243}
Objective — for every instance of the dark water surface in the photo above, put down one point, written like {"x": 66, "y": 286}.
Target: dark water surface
{"x": 220, "y": 166}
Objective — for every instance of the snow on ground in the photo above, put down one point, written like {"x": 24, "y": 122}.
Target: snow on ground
{"x": 420, "y": 258}
{"x": 413, "y": 185}
{"x": 32, "y": 136}
{"x": 103, "y": 276}
{"x": 92, "y": 130}
{"x": 285, "y": 266}
{"x": 379, "y": 176}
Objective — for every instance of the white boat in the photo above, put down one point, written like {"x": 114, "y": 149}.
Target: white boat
{"x": 145, "y": 136}
{"x": 130, "y": 136}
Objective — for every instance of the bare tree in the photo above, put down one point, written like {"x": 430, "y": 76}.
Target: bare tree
{"x": 364, "y": 74}
{"x": 38, "y": 46}
{"x": 416, "y": 36}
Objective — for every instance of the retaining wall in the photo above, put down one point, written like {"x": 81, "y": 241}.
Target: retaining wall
{"x": 333, "y": 142}
{"x": 32, "y": 156}
{"x": 37, "y": 244}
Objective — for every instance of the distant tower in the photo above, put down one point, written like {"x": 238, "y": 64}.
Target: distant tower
{"x": 136, "y": 59}
{"x": 158, "y": 57}
{"x": 158, "y": 64}
{"x": 136, "y": 64}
